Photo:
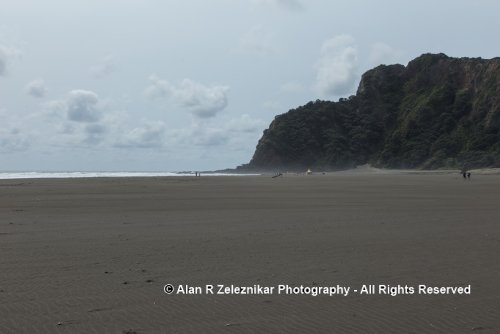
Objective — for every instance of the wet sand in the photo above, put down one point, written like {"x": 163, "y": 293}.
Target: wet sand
{"x": 93, "y": 255}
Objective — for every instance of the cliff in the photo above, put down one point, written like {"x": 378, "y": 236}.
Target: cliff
{"x": 436, "y": 112}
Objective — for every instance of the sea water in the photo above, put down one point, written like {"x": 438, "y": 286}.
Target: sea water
{"x": 47, "y": 175}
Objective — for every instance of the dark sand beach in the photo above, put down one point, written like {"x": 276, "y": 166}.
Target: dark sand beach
{"x": 93, "y": 255}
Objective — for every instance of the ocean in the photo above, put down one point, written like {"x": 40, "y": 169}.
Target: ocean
{"x": 49, "y": 175}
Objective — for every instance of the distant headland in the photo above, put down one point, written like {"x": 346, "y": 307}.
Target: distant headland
{"x": 436, "y": 112}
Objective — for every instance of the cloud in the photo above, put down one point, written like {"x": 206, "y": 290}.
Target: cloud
{"x": 13, "y": 140}
{"x": 336, "y": 70}
{"x": 6, "y": 55}
{"x": 82, "y": 106}
{"x": 36, "y": 88}
{"x": 258, "y": 42}
{"x": 55, "y": 109}
{"x": 79, "y": 119}
{"x": 148, "y": 136}
{"x": 200, "y": 100}
{"x": 158, "y": 88}
{"x": 105, "y": 67}
{"x": 94, "y": 133}
{"x": 234, "y": 133}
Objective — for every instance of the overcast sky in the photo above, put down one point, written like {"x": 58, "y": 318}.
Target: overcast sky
{"x": 171, "y": 85}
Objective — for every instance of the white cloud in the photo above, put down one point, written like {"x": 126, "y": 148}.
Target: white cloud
{"x": 13, "y": 140}
{"x": 55, "y": 109}
{"x": 73, "y": 134}
{"x": 80, "y": 119}
{"x": 36, "y": 88}
{"x": 257, "y": 41}
{"x": 200, "y": 100}
{"x": 148, "y": 136}
{"x": 337, "y": 67}
{"x": 94, "y": 133}
{"x": 159, "y": 88}
{"x": 82, "y": 106}
{"x": 234, "y": 134}
{"x": 105, "y": 67}
{"x": 6, "y": 55}
{"x": 83, "y": 119}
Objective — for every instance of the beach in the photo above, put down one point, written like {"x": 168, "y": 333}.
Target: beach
{"x": 93, "y": 255}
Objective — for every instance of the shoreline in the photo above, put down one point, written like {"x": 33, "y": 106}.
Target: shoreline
{"x": 361, "y": 170}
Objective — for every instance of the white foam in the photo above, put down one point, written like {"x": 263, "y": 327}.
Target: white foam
{"x": 58, "y": 175}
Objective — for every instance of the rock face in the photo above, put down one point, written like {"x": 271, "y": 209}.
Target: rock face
{"x": 436, "y": 112}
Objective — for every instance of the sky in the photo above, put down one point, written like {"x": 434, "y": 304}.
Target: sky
{"x": 171, "y": 85}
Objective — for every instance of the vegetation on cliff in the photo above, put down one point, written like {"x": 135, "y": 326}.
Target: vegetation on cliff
{"x": 436, "y": 112}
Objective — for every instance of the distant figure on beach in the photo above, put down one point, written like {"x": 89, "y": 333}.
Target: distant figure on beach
{"x": 465, "y": 175}
{"x": 468, "y": 175}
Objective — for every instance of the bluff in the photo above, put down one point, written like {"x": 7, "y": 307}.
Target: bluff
{"x": 436, "y": 112}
